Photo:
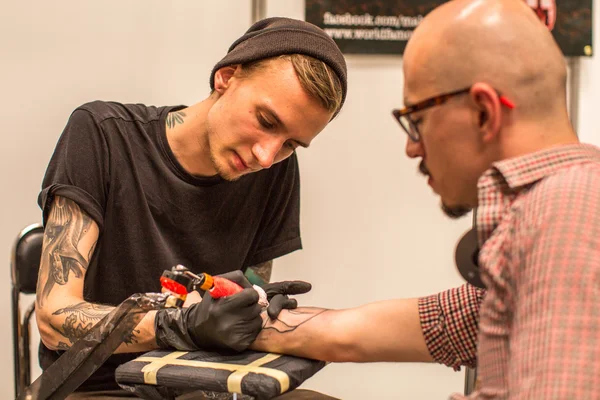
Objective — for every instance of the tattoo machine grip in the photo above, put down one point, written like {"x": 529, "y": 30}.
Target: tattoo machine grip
{"x": 222, "y": 287}
{"x": 179, "y": 281}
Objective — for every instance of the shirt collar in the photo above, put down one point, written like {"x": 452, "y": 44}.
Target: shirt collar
{"x": 499, "y": 185}
{"x": 524, "y": 170}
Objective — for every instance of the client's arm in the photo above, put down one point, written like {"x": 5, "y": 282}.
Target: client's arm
{"x": 441, "y": 328}
{"x": 383, "y": 331}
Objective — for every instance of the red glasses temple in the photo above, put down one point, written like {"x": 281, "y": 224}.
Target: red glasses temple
{"x": 507, "y": 102}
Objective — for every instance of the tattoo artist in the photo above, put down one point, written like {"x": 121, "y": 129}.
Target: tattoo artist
{"x": 132, "y": 190}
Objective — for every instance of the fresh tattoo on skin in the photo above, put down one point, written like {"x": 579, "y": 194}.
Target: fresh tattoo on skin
{"x": 291, "y": 320}
{"x": 174, "y": 118}
{"x": 260, "y": 274}
{"x": 65, "y": 228}
{"x": 80, "y": 318}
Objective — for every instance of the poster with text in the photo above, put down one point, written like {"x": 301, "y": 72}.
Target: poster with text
{"x": 384, "y": 26}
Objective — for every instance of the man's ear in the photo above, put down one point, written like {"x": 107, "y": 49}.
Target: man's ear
{"x": 489, "y": 118}
{"x": 223, "y": 77}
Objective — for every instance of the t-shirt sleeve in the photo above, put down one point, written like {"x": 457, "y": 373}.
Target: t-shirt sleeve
{"x": 279, "y": 231}
{"x": 78, "y": 169}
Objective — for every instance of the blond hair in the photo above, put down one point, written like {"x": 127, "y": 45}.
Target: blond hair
{"x": 316, "y": 77}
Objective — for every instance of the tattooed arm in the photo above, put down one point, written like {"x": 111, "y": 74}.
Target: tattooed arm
{"x": 383, "y": 331}
{"x": 62, "y": 315}
{"x": 260, "y": 274}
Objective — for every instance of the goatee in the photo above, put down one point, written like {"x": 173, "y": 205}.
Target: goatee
{"x": 456, "y": 212}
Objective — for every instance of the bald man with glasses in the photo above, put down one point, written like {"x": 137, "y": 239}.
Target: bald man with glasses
{"x": 486, "y": 116}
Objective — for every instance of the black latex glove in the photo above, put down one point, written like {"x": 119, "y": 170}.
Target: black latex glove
{"x": 277, "y": 292}
{"x": 231, "y": 322}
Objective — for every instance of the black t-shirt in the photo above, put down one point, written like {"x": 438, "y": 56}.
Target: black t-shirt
{"x": 114, "y": 161}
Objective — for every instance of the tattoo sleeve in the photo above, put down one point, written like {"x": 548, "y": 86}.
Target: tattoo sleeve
{"x": 79, "y": 320}
{"x": 174, "y": 118}
{"x": 63, "y": 317}
{"x": 260, "y": 274}
{"x": 60, "y": 256}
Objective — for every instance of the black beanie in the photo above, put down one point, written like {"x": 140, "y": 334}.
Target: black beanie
{"x": 277, "y": 36}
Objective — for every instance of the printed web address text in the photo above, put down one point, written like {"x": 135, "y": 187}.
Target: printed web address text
{"x": 368, "y": 34}
{"x": 396, "y": 21}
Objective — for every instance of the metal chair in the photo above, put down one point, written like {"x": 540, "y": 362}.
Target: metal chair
{"x": 25, "y": 263}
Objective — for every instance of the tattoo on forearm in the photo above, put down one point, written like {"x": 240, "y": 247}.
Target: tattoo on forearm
{"x": 174, "y": 118}
{"x": 260, "y": 274}
{"x": 131, "y": 337}
{"x": 294, "y": 319}
{"x": 65, "y": 228}
{"x": 62, "y": 345}
{"x": 72, "y": 329}
{"x": 80, "y": 319}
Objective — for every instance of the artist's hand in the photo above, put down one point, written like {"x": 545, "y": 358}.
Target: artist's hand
{"x": 231, "y": 322}
{"x": 277, "y": 292}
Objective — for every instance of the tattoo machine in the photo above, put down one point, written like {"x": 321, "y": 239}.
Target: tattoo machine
{"x": 179, "y": 281}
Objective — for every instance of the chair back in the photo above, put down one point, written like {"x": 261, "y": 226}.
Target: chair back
{"x": 25, "y": 263}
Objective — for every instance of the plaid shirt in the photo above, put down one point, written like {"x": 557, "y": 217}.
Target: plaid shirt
{"x": 539, "y": 330}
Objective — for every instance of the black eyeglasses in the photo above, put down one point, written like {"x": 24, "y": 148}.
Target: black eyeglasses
{"x": 403, "y": 115}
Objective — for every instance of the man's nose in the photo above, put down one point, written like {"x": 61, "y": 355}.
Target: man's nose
{"x": 266, "y": 151}
{"x": 414, "y": 149}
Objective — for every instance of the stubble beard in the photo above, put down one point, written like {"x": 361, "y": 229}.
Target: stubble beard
{"x": 454, "y": 212}
{"x": 222, "y": 171}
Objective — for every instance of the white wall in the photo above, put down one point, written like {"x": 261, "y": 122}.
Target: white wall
{"x": 589, "y": 92}
{"x": 365, "y": 210}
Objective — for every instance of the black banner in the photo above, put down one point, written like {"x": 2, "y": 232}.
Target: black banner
{"x": 384, "y": 26}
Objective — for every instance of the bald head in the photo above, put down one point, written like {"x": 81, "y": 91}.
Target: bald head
{"x": 499, "y": 42}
